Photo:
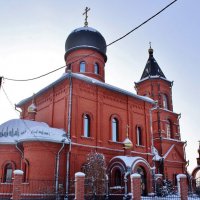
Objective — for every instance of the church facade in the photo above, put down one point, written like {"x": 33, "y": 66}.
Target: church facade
{"x": 80, "y": 113}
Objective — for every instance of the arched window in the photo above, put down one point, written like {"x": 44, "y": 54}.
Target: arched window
{"x": 139, "y": 135}
{"x": 86, "y": 125}
{"x": 96, "y": 68}
{"x": 198, "y": 175}
{"x": 8, "y": 171}
{"x": 82, "y": 66}
{"x": 117, "y": 178}
{"x": 168, "y": 128}
{"x": 165, "y": 101}
{"x": 115, "y": 129}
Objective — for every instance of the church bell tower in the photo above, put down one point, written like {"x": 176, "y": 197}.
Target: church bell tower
{"x": 165, "y": 122}
{"x": 154, "y": 84}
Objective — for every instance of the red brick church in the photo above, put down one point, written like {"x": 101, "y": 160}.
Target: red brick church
{"x": 79, "y": 113}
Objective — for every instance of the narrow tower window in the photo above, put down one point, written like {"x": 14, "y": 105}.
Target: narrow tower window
{"x": 69, "y": 67}
{"x": 115, "y": 130}
{"x": 86, "y": 125}
{"x": 82, "y": 66}
{"x": 139, "y": 135}
{"x": 96, "y": 68}
{"x": 168, "y": 128}
{"x": 165, "y": 101}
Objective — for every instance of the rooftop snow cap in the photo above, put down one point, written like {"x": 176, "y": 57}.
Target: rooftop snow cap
{"x": 86, "y": 37}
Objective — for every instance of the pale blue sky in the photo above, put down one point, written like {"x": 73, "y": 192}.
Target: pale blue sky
{"x": 33, "y": 34}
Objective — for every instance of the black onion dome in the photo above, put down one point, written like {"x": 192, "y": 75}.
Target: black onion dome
{"x": 86, "y": 37}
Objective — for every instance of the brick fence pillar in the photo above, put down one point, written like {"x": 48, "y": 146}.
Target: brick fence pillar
{"x": 136, "y": 186}
{"x": 79, "y": 186}
{"x": 182, "y": 186}
{"x": 159, "y": 176}
{"x": 17, "y": 184}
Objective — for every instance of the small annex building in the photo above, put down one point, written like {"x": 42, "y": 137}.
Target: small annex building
{"x": 25, "y": 144}
{"x": 80, "y": 112}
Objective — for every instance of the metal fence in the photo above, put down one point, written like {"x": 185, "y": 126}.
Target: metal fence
{"x": 42, "y": 189}
{"x": 94, "y": 190}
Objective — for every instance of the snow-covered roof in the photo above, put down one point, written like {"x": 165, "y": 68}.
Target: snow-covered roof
{"x": 169, "y": 111}
{"x": 91, "y": 81}
{"x": 128, "y": 160}
{"x": 111, "y": 87}
{"x": 153, "y": 77}
{"x": 131, "y": 161}
{"x": 18, "y": 130}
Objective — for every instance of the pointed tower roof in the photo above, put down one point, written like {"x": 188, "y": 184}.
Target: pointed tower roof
{"x": 152, "y": 68}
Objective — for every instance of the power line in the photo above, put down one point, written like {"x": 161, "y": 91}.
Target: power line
{"x": 142, "y": 23}
{"x": 37, "y": 77}
{"x": 30, "y": 79}
{"x": 23, "y": 120}
{"x": 8, "y": 99}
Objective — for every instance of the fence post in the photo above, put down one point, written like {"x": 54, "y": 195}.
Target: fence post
{"x": 136, "y": 186}
{"x": 17, "y": 184}
{"x": 182, "y": 186}
{"x": 79, "y": 186}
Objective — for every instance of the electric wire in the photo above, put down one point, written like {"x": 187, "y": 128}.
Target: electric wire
{"x": 31, "y": 79}
{"x": 142, "y": 23}
{"x": 24, "y": 122}
{"x": 8, "y": 99}
{"x": 50, "y": 72}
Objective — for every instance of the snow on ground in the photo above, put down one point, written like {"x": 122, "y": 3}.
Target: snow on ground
{"x": 170, "y": 197}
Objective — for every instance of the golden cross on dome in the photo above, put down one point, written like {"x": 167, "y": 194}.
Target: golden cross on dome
{"x": 86, "y": 16}
{"x": 127, "y": 130}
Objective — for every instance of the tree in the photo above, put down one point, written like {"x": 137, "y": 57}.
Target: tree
{"x": 95, "y": 171}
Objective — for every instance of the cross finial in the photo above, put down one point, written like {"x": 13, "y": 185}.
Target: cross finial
{"x": 33, "y": 96}
{"x": 127, "y": 130}
{"x": 150, "y": 49}
{"x": 86, "y": 16}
